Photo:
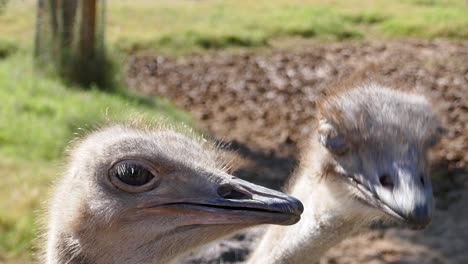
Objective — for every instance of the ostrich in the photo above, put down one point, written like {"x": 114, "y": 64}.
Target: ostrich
{"x": 366, "y": 162}
{"x": 147, "y": 195}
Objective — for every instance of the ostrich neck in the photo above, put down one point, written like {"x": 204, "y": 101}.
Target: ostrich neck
{"x": 62, "y": 249}
{"x": 324, "y": 223}
{"x": 110, "y": 247}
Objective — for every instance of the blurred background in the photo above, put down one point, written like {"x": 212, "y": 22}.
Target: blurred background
{"x": 246, "y": 72}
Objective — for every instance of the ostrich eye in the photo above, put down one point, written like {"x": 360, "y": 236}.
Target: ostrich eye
{"x": 132, "y": 176}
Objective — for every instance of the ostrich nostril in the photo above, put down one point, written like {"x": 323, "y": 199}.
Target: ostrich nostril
{"x": 421, "y": 178}
{"x": 229, "y": 192}
{"x": 386, "y": 181}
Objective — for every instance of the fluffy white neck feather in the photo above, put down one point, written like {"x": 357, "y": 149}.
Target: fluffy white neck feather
{"x": 329, "y": 217}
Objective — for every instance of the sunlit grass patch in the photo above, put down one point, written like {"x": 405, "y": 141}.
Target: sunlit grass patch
{"x": 430, "y": 22}
{"x": 40, "y": 114}
{"x": 178, "y": 27}
{"x": 23, "y": 190}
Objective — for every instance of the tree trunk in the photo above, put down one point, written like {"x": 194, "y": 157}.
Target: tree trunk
{"x": 87, "y": 28}
{"x": 41, "y": 9}
{"x": 67, "y": 38}
{"x": 68, "y": 20}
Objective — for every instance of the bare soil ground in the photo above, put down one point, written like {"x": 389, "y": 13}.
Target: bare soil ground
{"x": 263, "y": 104}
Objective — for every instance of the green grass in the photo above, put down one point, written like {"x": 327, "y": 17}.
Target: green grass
{"x": 38, "y": 117}
{"x": 444, "y": 22}
{"x": 176, "y": 27}
{"x": 186, "y": 26}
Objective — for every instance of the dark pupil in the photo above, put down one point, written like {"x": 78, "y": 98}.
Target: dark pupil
{"x": 133, "y": 174}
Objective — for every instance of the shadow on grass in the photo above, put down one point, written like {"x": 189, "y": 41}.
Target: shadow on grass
{"x": 7, "y": 48}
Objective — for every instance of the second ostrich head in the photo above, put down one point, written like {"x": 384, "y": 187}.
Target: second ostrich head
{"x": 376, "y": 141}
{"x": 133, "y": 195}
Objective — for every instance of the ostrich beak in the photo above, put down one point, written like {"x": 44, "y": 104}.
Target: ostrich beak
{"x": 403, "y": 194}
{"x": 233, "y": 201}
{"x": 409, "y": 196}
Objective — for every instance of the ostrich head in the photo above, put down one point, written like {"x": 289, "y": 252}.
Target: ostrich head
{"x": 376, "y": 141}
{"x": 133, "y": 195}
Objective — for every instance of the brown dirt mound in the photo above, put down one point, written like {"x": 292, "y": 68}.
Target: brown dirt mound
{"x": 263, "y": 104}
{"x": 267, "y": 101}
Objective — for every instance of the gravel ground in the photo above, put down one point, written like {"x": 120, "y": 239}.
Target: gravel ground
{"x": 263, "y": 104}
